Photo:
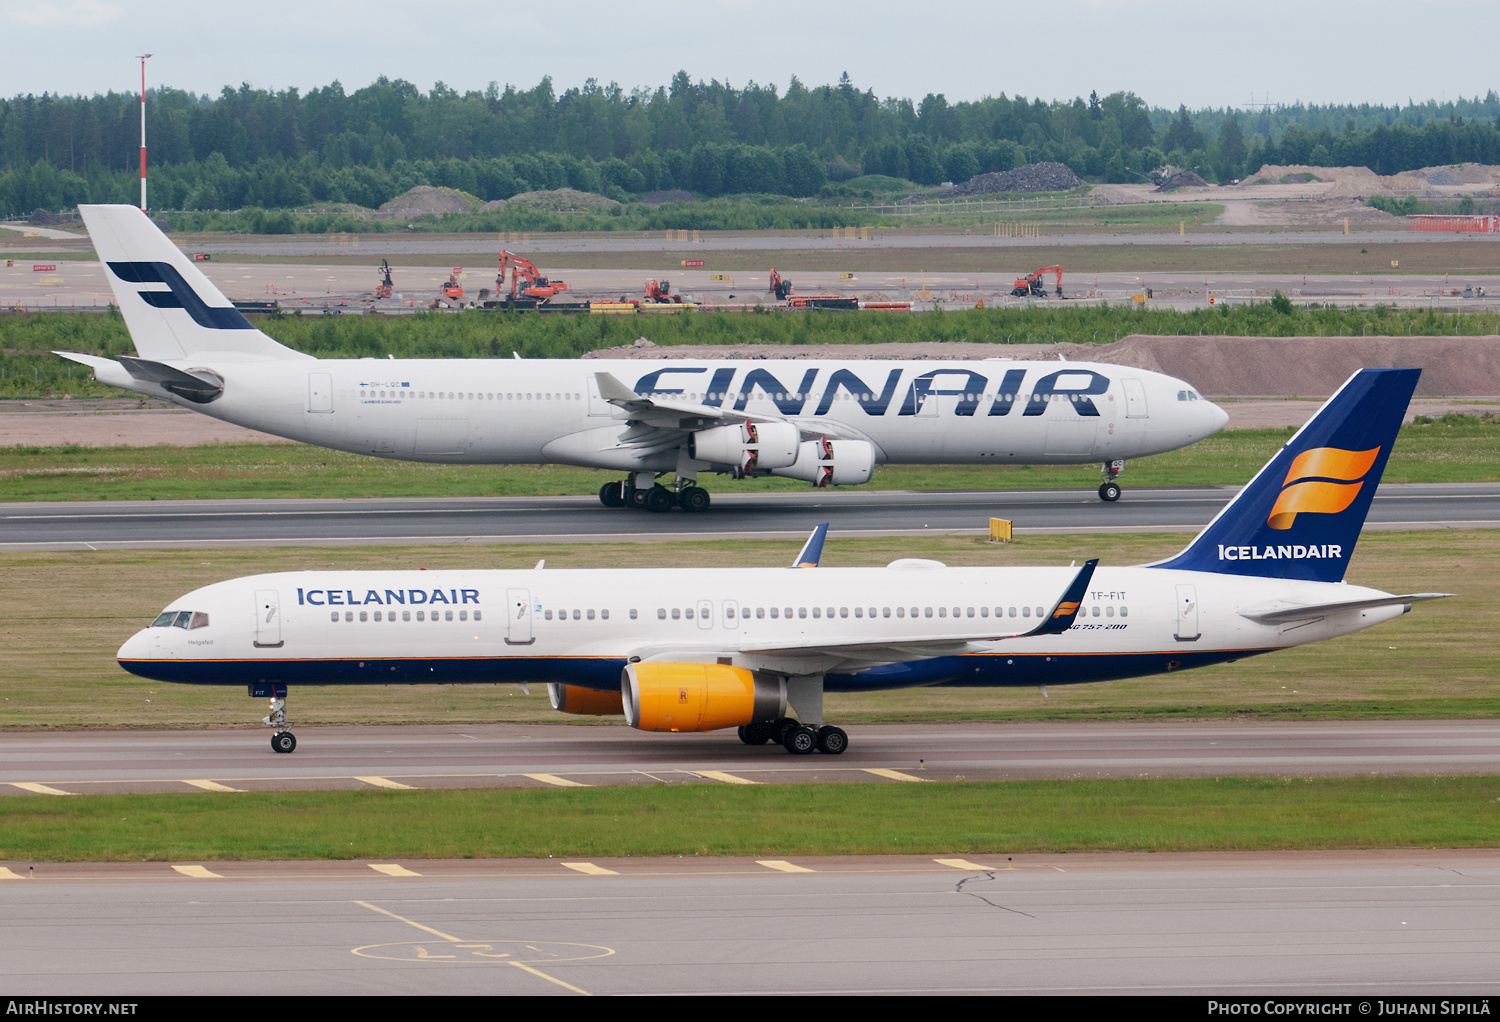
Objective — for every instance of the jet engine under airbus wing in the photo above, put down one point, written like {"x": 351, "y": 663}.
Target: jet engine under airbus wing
{"x": 707, "y": 648}
{"x": 680, "y": 417}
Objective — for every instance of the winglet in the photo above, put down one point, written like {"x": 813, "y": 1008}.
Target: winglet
{"x": 808, "y": 556}
{"x": 612, "y": 389}
{"x": 1061, "y": 618}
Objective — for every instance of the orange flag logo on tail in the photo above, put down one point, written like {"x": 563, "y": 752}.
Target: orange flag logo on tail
{"x": 1323, "y": 480}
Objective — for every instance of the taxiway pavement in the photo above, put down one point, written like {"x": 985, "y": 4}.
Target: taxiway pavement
{"x": 1371, "y": 925}
{"x": 563, "y": 755}
{"x": 80, "y": 525}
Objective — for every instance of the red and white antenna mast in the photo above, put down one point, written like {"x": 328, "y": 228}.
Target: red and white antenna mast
{"x": 143, "y": 58}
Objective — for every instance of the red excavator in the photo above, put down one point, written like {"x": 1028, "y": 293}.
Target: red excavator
{"x": 537, "y": 286}
{"x": 780, "y": 288}
{"x": 660, "y": 292}
{"x": 452, "y": 288}
{"x": 1033, "y": 287}
{"x": 385, "y": 288}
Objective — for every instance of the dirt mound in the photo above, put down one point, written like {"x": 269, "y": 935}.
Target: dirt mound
{"x": 47, "y": 218}
{"x": 427, "y": 200}
{"x": 662, "y": 198}
{"x": 1239, "y": 366}
{"x": 1182, "y": 179}
{"x": 1034, "y": 177}
{"x": 562, "y": 200}
{"x": 1362, "y": 181}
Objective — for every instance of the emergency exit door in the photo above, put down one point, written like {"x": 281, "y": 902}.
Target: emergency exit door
{"x": 267, "y": 619}
{"x": 1187, "y": 614}
{"x": 320, "y": 392}
{"x": 518, "y": 618}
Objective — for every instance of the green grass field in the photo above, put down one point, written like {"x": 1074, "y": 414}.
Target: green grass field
{"x": 1454, "y": 449}
{"x": 1003, "y": 817}
{"x": 63, "y": 616}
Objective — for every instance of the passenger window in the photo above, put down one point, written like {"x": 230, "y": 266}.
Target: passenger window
{"x": 929, "y": 612}
{"x": 405, "y": 615}
{"x": 1124, "y": 611}
{"x": 661, "y": 613}
{"x": 859, "y": 612}
{"x": 900, "y": 611}
{"x": 547, "y": 615}
{"x": 774, "y": 613}
{"x": 377, "y": 615}
{"x": 420, "y": 616}
{"x": 1025, "y": 611}
{"x": 885, "y": 612}
{"x": 729, "y": 612}
{"x": 463, "y": 615}
{"x": 786, "y": 613}
{"x": 334, "y": 617}
{"x": 348, "y": 615}
{"x": 578, "y": 615}
{"x": 364, "y": 616}
{"x": 942, "y": 612}
{"x": 1108, "y": 611}
{"x": 200, "y": 620}
{"x": 591, "y": 614}
{"x": 802, "y": 612}
{"x": 984, "y": 612}
{"x": 1012, "y": 612}
{"x": 476, "y": 615}
{"x": 676, "y": 613}
{"x": 817, "y": 612}
{"x": 1041, "y": 612}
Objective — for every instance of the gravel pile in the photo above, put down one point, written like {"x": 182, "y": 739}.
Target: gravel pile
{"x": 1182, "y": 179}
{"x": 47, "y": 218}
{"x": 1034, "y": 177}
{"x": 561, "y": 200}
{"x": 1442, "y": 177}
{"x": 425, "y": 199}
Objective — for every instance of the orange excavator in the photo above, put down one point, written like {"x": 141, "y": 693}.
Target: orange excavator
{"x": 537, "y": 286}
{"x": 782, "y": 289}
{"x": 385, "y": 288}
{"x": 1033, "y": 287}
{"x": 659, "y": 292}
{"x": 452, "y": 288}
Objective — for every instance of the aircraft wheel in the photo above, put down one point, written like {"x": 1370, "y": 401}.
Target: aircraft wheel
{"x": 659, "y": 499}
{"x": 610, "y": 496}
{"x": 832, "y": 740}
{"x": 1109, "y": 492}
{"x": 757, "y": 733}
{"x": 637, "y": 498}
{"x": 800, "y": 741}
{"x": 693, "y": 498}
{"x": 283, "y": 741}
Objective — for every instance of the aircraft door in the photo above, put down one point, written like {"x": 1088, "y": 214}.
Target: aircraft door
{"x": 597, "y": 404}
{"x": 705, "y": 613}
{"x": 518, "y": 617}
{"x": 320, "y": 392}
{"x": 1135, "y": 399}
{"x": 267, "y": 619}
{"x": 1187, "y": 614}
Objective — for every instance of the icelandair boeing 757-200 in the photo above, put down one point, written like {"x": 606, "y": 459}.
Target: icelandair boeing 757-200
{"x": 826, "y": 422}
{"x": 698, "y": 649}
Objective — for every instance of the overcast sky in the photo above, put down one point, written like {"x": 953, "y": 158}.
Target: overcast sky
{"x": 1201, "y": 54}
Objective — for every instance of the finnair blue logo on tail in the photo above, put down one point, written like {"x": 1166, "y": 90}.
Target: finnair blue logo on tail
{"x": 181, "y": 295}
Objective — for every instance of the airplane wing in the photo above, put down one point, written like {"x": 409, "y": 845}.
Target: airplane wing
{"x": 833, "y": 654}
{"x": 666, "y": 413}
{"x": 1281, "y": 613}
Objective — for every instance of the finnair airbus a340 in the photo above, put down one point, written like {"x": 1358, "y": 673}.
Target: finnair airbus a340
{"x": 698, "y": 649}
{"x": 827, "y": 422}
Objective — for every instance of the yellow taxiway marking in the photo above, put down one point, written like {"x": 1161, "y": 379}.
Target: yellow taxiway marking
{"x": 591, "y": 869}
{"x": 719, "y": 775}
{"x": 783, "y": 865}
{"x": 894, "y": 775}
{"x": 212, "y": 786}
{"x": 392, "y": 869}
{"x": 201, "y": 872}
{"x": 965, "y": 864}
{"x": 6, "y": 874}
{"x": 385, "y": 782}
{"x": 561, "y": 782}
{"x": 38, "y": 789}
{"x": 455, "y": 940}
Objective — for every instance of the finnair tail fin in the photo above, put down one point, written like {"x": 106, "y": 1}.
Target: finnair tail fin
{"x": 1302, "y": 514}
{"x": 170, "y": 307}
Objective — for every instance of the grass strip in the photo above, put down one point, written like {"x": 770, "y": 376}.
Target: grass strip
{"x": 1211, "y": 814}
{"x": 1455, "y": 448}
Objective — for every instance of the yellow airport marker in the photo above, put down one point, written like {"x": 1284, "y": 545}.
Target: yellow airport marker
{"x": 719, "y": 775}
{"x": 783, "y": 866}
{"x": 38, "y": 789}
{"x": 384, "y": 782}
{"x": 7, "y": 874}
{"x": 392, "y": 869}
{"x": 591, "y": 869}
{"x": 212, "y": 786}
{"x": 200, "y": 872}
{"x": 965, "y": 864}
{"x": 560, "y": 782}
{"x": 894, "y": 775}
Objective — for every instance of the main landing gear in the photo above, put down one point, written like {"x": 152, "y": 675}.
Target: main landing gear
{"x": 652, "y": 496}
{"x": 283, "y": 740}
{"x": 1109, "y": 490}
{"x": 796, "y": 737}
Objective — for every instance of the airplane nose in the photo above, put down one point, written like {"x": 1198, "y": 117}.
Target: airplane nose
{"x": 1218, "y": 418}
{"x": 137, "y": 647}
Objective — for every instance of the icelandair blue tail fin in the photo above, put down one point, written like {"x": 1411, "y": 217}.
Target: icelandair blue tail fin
{"x": 171, "y": 309}
{"x": 1302, "y": 514}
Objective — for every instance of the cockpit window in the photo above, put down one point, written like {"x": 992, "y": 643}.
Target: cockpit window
{"x": 200, "y": 620}
{"x": 184, "y": 618}
{"x": 164, "y": 619}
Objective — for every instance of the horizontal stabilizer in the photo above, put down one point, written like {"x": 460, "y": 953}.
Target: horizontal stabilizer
{"x": 1281, "y": 613}
{"x": 199, "y": 385}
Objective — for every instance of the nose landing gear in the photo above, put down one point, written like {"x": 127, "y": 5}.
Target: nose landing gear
{"x": 282, "y": 740}
{"x": 1109, "y": 490}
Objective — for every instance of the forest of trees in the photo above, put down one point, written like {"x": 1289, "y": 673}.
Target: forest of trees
{"x": 277, "y": 150}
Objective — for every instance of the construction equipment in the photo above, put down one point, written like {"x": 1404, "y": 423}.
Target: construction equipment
{"x": 660, "y": 293}
{"x": 537, "y": 286}
{"x": 1033, "y": 287}
{"x": 385, "y": 288}
{"x": 452, "y": 288}
{"x": 782, "y": 289}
